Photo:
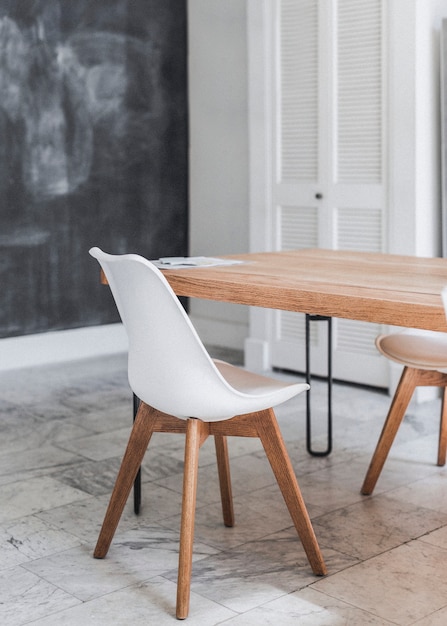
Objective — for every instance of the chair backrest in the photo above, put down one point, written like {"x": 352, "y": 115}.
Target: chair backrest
{"x": 169, "y": 368}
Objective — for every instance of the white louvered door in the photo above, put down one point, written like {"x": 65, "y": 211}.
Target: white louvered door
{"x": 327, "y": 185}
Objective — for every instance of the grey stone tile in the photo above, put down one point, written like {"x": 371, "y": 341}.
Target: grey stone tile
{"x": 24, "y": 498}
{"x": 402, "y": 585}
{"x": 374, "y": 526}
{"x": 25, "y": 597}
{"x": 62, "y": 435}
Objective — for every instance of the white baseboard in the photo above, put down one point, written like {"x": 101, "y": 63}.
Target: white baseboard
{"x": 61, "y": 346}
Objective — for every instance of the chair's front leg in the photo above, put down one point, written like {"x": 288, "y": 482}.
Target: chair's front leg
{"x": 394, "y": 418}
{"x": 195, "y": 435}
{"x": 138, "y": 442}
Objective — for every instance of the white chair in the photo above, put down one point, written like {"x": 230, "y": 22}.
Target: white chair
{"x": 424, "y": 356}
{"x": 182, "y": 390}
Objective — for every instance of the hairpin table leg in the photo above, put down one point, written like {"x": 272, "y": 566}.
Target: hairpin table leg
{"x": 319, "y": 318}
{"x": 137, "y": 482}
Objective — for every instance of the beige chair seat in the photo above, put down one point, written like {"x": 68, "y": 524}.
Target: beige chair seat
{"x": 416, "y": 348}
{"x": 424, "y": 356}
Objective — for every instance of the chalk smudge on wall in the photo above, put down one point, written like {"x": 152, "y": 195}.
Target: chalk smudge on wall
{"x": 93, "y": 150}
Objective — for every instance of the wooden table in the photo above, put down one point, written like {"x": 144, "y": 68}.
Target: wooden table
{"x": 380, "y": 288}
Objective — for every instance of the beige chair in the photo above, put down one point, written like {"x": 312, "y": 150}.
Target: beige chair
{"x": 424, "y": 356}
{"x": 182, "y": 390}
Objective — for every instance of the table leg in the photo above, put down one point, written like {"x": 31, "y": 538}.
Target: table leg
{"x": 137, "y": 482}
{"x": 319, "y": 318}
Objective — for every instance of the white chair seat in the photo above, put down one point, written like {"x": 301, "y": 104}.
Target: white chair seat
{"x": 256, "y": 388}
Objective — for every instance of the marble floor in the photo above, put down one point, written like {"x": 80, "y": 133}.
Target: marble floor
{"x": 63, "y": 430}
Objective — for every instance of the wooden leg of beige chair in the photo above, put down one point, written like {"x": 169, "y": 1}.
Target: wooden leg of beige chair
{"x": 223, "y": 467}
{"x": 138, "y": 441}
{"x": 194, "y": 432}
{"x": 275, "y": 449}
{"x": 394, "y": 418}
{"x": 442, "y": 448}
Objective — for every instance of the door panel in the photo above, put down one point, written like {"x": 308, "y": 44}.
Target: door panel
{"x": 327, "y": 183}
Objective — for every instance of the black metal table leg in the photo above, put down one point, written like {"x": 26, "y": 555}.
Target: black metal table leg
{"x": 319, "y": 318}
{"x": 137, "y": 482}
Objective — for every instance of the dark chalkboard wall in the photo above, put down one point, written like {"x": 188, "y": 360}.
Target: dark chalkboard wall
{"x": 93, "y": 151}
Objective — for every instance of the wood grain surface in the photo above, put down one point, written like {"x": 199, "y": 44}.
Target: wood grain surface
{"x": 380, "y": 288}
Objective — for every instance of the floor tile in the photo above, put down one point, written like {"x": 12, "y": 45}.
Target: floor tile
{"x": 375, "y": 525}
{"x": 148, "y": 603}
{"x": 25, "y": 596}
{"x": 63, "y": 433}
{"x": 31, "y": 538}
{"x": 401, "y": 585}
{"x": 34, "y": 495}
{"x": 437, "y": 538}
{"x": 135, "y": 556}
{"x": 258, "y": 571}
{"x": 28, "y": 464}
{"x": 101, "y": 446}
{"x": 437, "y": 618}
{"x": 306, "y": 608}
{"x": 430, "y": 492}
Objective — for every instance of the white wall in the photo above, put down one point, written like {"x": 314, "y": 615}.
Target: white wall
{"x": 414, "y": 133}
{"x": 61, "y": 346}
{"x": 218, "y": 115}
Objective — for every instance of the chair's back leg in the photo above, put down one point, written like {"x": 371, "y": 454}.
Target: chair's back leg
{"x": 223, "y": 467}
{"x": 275, "y": 449}
{"x": 196, "y": 432}
{"x": 396, "y": 413}
{"x": 138, "y": 442}
{"x": 443, "y": 429}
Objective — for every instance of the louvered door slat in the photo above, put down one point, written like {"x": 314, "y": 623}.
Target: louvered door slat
{"x": 298, "y": 89}
{"x": 359, "y": 90}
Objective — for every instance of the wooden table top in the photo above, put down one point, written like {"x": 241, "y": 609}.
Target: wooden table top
{"x": 380, "y": 288}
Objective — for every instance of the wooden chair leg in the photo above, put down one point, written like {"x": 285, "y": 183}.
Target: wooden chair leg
{"x": 138, "y": 442}
{"x": 275, "y": 449}
{"x": 394, "y": 418}
{"x": 195, "y": 433}
{"x": 223, "y": 467}
{"x": 442, "y": 448}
